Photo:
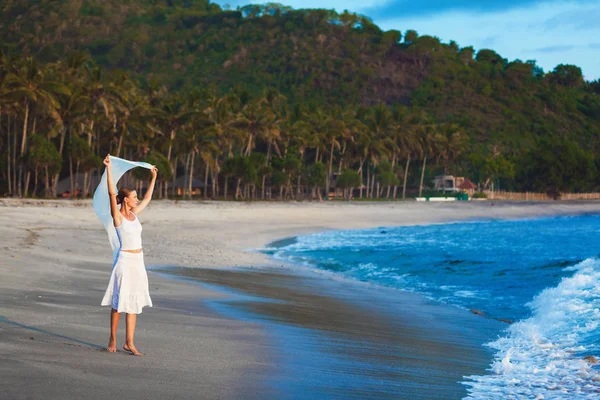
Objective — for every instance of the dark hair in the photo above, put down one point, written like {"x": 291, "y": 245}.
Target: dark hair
{"x": 123, "y": 192}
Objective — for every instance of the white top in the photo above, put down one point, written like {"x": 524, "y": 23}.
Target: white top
{"x": 130, "y": 234}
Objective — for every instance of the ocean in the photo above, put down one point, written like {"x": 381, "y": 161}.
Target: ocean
{"x": 541, "y": 276}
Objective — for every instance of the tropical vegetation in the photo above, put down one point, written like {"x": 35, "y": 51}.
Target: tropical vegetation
{"x": 270, "y": 102}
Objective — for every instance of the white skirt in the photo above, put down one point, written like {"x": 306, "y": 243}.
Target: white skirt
{"x": 128, "y": 286}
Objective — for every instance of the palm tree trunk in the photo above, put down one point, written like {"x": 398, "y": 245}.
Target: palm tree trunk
{"x": 360, "y": 171}
{"x": 225, "y": 188}
{"x": 120, "y": 146}
{"x": 88, "y": 183}
{"x": 191, "y": 173}
{"x": 287, "y": 186}
{"x": 71, "y": 183}
{"x": 361, "y": 183}
{"x": 14, "y": 155}
{"x": 343, "y": 152}
{"x": 23, "y": 143}
{"x": 86, "y": 173}
{"x": 8, "y": 158}
{"x": 170, "y": 145}
{"x": 215, "y": 178}
{"x": 298, "y": 188}
{"x": 173, "y": 167}
{"x": 368, "y": 193}
{"x": 47, "y": 178}
{"x": 186, "y": 174}
{"x": 35, "y": 182}
{"x": 206, "y": 179}
{"x": 213, "y": 184}
{"x": 27, "y": 178}
{"x": 269, "y": 150}
{"x": 330, "y": 170}
{"x": 422, "y": 176}
{"x": 237, "y": 188}
{"x": 24, "y": 139}
{"x": 405, "y": 177}
{"x": 77, "y": 178}
{"x": 63, "y": 133}
{"x": 249, "y": 146}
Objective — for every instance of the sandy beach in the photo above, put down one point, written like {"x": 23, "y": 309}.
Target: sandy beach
{"x": 259, "y": 330}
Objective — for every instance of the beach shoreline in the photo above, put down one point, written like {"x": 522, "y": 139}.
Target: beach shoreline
{"x": 55, "y": 263}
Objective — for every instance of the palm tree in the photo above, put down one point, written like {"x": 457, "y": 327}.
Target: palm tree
{"x": 379, "y": 144}
{"x": 72, "y": 112}
{"x": 223, "y": 126}
{"x": 174, "y": 114}
{"x": 104, "y": 100}
{"x": 26, "y": 84}
{"x": 323, "y": 132}
{"x": 425, "y": 132}
{"x": 257, "y": 120}
{"x": 407, "y": 143}
{"x": 451, "y": 143}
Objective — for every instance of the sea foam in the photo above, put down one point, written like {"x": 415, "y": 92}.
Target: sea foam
{"x": 552, "y": 354}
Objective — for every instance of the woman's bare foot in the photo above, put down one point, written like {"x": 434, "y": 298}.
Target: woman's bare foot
{"x": 132, "y": 350}
{"x": 112, "y": 346}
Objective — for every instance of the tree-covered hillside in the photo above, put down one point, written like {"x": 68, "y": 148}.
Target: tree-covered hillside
{"x": 190, "y": 66}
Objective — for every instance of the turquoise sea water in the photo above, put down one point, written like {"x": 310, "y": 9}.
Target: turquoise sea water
{"x": 543, "y": 275}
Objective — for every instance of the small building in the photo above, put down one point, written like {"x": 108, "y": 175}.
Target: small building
{"x": 446, "y": 183}
{"x": 451, "y": 183}
{"x": 63, "y": 186}
{"x": 468, "y": 187}
{"x": 182, "y": 185}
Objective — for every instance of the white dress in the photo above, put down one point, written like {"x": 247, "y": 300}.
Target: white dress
{"x": 128, "y": 286}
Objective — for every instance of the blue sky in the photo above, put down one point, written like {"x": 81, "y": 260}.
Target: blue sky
{"x": 548, "y": 31}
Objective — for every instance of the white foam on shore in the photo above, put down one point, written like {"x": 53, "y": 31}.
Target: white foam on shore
{"x": 542, "y": 357}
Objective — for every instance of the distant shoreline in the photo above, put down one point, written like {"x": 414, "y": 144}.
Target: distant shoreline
{"x": 67, "y": 202}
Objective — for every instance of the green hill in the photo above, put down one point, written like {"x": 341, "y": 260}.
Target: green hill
{"x": 320, "y": 59}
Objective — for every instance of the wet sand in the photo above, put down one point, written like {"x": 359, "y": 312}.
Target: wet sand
{"x": 265, "y": 332}
{"x": 343, "y": 339}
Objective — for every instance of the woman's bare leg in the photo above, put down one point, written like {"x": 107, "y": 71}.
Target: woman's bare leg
{"x": 114, "y": 324}
{"x": 130, "y": 320}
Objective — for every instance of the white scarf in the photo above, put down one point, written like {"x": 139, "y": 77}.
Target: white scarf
{"x": 102, "y": 201}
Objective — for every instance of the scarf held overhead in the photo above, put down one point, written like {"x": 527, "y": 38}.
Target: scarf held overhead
{"x": 101, "y": 200}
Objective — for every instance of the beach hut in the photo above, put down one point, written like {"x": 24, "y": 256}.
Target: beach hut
{"x": 467, "y": 186}
{"x": 446, "y": 183}
{"x": 181, "y": 185}
{"x": 63, "y": 186}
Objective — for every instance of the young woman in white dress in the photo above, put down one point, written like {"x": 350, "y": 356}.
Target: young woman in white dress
{"x": 128, "y": 286}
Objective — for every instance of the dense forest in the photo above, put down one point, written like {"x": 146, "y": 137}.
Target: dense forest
{"x": 268, "y": 98}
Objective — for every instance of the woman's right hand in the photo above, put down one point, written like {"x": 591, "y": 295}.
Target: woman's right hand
{"x": 107, "y": 160}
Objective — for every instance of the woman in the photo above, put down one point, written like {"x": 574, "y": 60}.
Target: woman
{"x": 128, "y": 286}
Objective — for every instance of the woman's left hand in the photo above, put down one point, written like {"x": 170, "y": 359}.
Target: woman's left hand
{"x": 154, "y": 171}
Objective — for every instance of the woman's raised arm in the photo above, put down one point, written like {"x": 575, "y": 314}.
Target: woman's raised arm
{"x": 148, "y": 196}
{"x": 114, "y": 210}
